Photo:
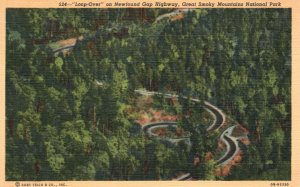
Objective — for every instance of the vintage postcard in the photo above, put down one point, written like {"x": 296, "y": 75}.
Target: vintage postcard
{"x": 149, "y": 93}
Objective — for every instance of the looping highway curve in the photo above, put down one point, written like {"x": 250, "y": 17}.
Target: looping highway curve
{"x": 232, "y": 146}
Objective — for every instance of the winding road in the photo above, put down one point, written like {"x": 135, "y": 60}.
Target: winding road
{"x": 70, "y": 45}
{"x": 64, "y": 49}
{"x": 177, "y": 12}
{"x": 232, "y": 147}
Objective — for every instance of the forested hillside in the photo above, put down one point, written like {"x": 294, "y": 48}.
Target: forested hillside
{"x": 67, "y": 114}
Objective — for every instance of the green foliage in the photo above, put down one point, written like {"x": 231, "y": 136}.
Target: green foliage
{"x": 59, "y": 62}
{"x": 65, "y": 127}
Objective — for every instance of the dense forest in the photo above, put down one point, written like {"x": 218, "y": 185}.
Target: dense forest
{"x": 67, "y": 113}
